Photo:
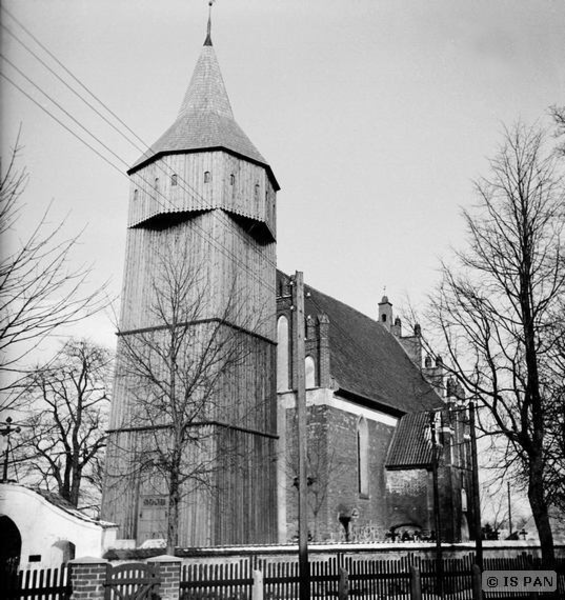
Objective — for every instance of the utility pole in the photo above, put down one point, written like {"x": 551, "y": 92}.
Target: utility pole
{"x": 509, "y": 509}
{"x": 299, "y": 385}
{"x": 5, "y": 432}
{"x": 437, "y": 517}
{"x": 476, "y": 493}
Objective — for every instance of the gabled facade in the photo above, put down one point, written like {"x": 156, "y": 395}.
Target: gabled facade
{"x": 369, "y": 405}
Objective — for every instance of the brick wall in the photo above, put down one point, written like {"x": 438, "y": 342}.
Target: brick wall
{"x": 409, "y": 499}
{"x": 88, "y": 576}
{"x": 334, "y": 477}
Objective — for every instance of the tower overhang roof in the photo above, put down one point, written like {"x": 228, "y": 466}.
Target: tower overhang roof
{"x": 148, "y": 158}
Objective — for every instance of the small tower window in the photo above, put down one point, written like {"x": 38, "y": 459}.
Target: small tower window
{"x": 135, "y": 195}
{"x": 232, "y": 179}
{"x": 157, "y": 183}
{"x": 257, "y": 190}
{"x": 207, "y": 177}
{"x": 174, "y": 179}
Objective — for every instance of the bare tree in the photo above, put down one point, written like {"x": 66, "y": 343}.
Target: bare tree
{"x": 63, "y": 430}
{"x": 558, "y": 115}
{"x": 498, "y": 308}
{"x": 177, "y": 381}
{"x": 39, "y": 289}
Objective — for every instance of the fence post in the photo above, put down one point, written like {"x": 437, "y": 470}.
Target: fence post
{"x": 87, "y": 578}
{"x": 343, "y": 588}
{"x": 257, "y": 590}
{"x": 477, "y": 583}
{"x": 168, "y": 568}
{"x": 415, "y": 583}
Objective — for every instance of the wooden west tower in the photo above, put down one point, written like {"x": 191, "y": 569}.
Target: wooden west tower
{"x": 204, "y": 192}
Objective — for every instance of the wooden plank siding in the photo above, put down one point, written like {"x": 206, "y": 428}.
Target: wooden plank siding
{"x": 224, "y": 229}
{"x": 229, "y": 259}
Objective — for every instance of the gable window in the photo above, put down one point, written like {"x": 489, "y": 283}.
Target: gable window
{"x": 174, "y": 179}
{"x": 310, "y": 372}
{"x": 282, "y": 355}
{"x": 207, "y": 177}
{"x": 363, "y": 457}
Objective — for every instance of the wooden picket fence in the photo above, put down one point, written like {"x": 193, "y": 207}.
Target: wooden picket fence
{"x": 36, "y": 584}
{"x": 226, "y": 581}
{"x": 369, "y": 579}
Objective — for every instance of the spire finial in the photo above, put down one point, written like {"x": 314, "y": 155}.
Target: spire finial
{"x": 208, "y": 40}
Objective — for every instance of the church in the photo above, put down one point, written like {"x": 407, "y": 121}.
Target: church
{"x": 203, "y": 418}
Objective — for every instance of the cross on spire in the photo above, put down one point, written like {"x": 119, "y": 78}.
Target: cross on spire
{"x": 208, "y": 40}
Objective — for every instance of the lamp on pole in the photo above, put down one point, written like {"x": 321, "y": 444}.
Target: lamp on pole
{"x": 5, "y": 432}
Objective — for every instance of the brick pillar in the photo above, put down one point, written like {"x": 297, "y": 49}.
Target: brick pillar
{"x": 324, "y": 350}
{"x": 169, "y": 571}
{"x": 87, "y": 578}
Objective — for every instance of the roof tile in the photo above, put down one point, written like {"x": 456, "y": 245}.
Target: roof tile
{"x": 205, "y": 119}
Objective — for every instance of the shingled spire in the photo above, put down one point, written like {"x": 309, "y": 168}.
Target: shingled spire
{"x": 205, "y": 120}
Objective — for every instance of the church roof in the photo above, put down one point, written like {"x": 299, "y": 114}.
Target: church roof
{"x": 367, "y": 361}
{"x": 411, "y": 445}
{"x": 205, "y": 120}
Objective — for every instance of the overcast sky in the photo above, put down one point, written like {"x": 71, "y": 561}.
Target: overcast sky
{"x": 374, "y": 115}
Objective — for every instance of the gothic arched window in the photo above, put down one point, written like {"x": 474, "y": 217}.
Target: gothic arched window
{"x": 310, "y": 372}
{"x": 283, "y": 374}
{"x": 207, "y": 177}
{"x": 363, "y": 456}
{"x": 463, "y": 500}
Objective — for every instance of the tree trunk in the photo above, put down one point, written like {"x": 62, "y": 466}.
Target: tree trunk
{"x": 539, "y": 508}
{"x": 173, "y": 513}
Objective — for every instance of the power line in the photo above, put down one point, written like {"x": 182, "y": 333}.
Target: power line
{"x": 60, "y": 122}
{"x": 218, "y": 245}
{"x": 62, "y": 109}
{"x": 45, "y": 49}
{"x": 186, "y": 186}
{"x": 214, "y": 242}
